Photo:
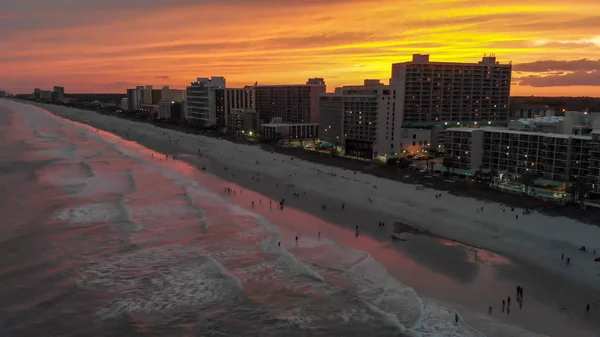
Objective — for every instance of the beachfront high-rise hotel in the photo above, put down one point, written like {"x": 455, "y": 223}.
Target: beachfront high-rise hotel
{"x": 449, "y": 93}
{"x": 293, "y": 103}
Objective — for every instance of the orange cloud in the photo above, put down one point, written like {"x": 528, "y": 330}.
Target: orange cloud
{"x": 106, "y": 46}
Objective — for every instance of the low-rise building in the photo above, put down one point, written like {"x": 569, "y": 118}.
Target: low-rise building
{"x": 46, "y": 95}
{"x": 124, "y": 104}
{"x": 150, "y": 110}
{"x": 289, "y": 131}
{"x": 242, "y": 120}
{"x": 531, "y": 111}
{"x": 555, "y": 157}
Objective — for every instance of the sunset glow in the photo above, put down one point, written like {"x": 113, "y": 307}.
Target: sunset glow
{"x": 108, "y": 46}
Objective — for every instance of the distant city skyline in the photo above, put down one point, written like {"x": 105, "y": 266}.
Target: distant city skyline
{"x": 108, "y": 46}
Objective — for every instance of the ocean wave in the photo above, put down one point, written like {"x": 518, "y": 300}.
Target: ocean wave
{"x": 238, "y": 250}
{"x": 158, "y": 280}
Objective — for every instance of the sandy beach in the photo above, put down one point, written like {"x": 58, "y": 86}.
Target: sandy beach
{"x": 513, "y": 248}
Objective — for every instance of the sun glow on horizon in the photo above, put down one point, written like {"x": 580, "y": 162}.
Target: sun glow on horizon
{"x": 91, "y": 46}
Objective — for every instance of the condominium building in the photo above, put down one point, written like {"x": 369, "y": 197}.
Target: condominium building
{"x": 124, "y": 104}
{"x": 147, "y": 95}
{"x": 58, "y": 94}
{"x": 169, "y": 97}
{"x": 552, "y": 156}
{"x": 362, "y": 120}
{"x": 594, "y": 161}
{"x": 135, "y": 98}
{"x": 359, "y": 119}
{"x": 465, "y": 147}
{"x": 206, "y": 102}
{"x": 169, "y": 94}
{"x": 46, "y": 95}
{"x": 292, "y": 103}
{"x": 170, "y": 110}
{"x": 442, "y": 93}
{"x": 242, "y": 120}
{"x": 237, "y": 102}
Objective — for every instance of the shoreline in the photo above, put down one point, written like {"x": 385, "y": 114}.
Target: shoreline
{"x": 273, "y": 192}
{"x": 458, "y": 187}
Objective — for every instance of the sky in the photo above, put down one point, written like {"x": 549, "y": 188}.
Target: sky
{"x": 111, "y": 45}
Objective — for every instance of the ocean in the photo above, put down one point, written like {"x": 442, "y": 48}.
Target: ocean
{"x": 100, "y": 237}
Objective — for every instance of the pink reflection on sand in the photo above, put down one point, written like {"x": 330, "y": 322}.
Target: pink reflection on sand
{"x": 476, "y": 254}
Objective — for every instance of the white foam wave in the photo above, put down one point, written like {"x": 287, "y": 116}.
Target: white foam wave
{"x": 159, "y": 280}
{"x": 90, "y": 214}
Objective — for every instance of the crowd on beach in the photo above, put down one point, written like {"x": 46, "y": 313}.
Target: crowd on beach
{"x": 505, "y": 305}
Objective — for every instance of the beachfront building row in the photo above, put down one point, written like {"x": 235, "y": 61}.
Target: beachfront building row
{"x": 410, "y": 114}
{"x": 361, "y": 121}
{"x": 211, "y": 103}
{"x": 57, "y": 94}
{"x": 153, "y": 101}
{"x": 422, "y": 95}
{"x": 555, "y": 157}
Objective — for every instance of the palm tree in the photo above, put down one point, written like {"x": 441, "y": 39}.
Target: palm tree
{"x": 448, "y": 163}
{"x": 579, "y": 190}
{"x": 528, "y": 179}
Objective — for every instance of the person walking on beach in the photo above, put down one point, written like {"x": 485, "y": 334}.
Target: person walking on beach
{"x": 456, "y": 318}
{"x": 568, "y": 261}
{"x": 503, "y": 305}
{"x": 587, "y": 308}
{"x": 490, "y": 310}
{"x": 508, "y": 303}
{"x": 296, "y": 238}
{"x": 562, "y": 256}
{"x": 279, "y": 243}
{"x": 343, "y": 206}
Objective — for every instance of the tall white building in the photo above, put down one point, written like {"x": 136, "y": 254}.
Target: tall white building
{"x": 448, "y": 93}
{"x": 205, "y": 103}
{"x": 135, "y": 98}
{"x": 360, "y": 119}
